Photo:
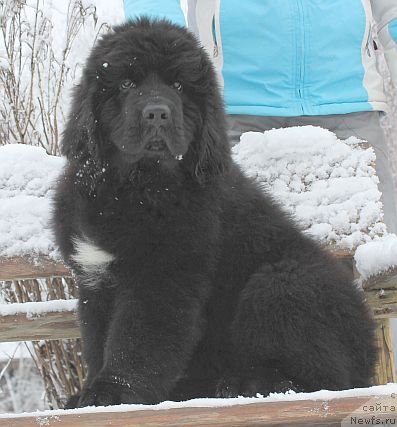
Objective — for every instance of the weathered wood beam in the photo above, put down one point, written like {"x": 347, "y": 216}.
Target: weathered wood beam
{"x": 58, "y": 325}
{"x": 292, "y": 413}
{"x": 41, "y": 266}
{"x": 381, "y": 294}
{"x": 383, "y": 302}
{"x": 386, "y": 280}
{"x": 385, "y": 371}
{"x": 19, "y": 268}
{"x": 53, "y": 325}
{"x": 35, "y": 321}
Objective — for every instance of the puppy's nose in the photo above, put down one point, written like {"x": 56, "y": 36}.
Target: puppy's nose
{"x": 156, "y": 114}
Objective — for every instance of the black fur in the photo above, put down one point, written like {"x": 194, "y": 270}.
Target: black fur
{"x": 212, "y": 290}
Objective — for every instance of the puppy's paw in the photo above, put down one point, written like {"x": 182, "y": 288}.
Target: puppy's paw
{"x": 115, "y": 390}
{"x": 227, "y": 387}
{"x": 235, "y": 386}
{"x": 253, "y": 383}
{"x": 100, "y": 394}
{"x": 72, "y": 402}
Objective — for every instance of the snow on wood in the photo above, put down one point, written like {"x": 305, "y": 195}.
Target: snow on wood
{"x": 22, "y": 268}
{"x": 49, "y": 320}
{"x": 329, "y": 186}
{"x": 27, "y": 177}
{"x": 378, "y": 255}
{"x": 36, "y": 309}
{"x": 309, "y": 409}
{"x": 33, "y": 321}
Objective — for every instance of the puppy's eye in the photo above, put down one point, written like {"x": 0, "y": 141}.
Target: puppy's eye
{"x": 127, "y": 84}
{"x": 177, "y": 85}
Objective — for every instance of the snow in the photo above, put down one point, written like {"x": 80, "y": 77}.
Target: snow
{"x": 27, "y": 178}
{"x": 329, "y": 186}
{"x": 323, "y": 395}
{"x": 13, "y": 350}
{"x": 376, "y": 256}
{"x": 9, "y": 350}
{"x": 318, "y": 186}
{"x": 36, "y": 309}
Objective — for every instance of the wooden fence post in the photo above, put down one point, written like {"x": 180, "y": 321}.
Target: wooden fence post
{"x": 385, "y": 371}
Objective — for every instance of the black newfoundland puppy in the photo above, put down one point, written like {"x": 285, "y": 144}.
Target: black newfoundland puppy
{"x": 192, "y": 281}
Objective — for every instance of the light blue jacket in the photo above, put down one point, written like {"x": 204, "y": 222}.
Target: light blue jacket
{"x": 285, "y": 57}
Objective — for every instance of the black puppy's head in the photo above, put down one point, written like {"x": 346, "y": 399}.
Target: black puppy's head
{"x": 149, "y": 93}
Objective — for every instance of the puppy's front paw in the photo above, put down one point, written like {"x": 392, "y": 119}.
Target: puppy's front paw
{"x": 100, "y": 394}
{"x": 114, "y": 390}
{"x": 72, "y": 402}
{"x": 228, "y": 387}
{"x": 253, "y": 382}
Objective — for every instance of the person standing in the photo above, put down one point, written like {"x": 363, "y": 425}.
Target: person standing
{"x": 296, "y": 63}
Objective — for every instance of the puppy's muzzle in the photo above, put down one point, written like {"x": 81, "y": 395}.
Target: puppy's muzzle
{"x": 156, "y": 144}
{"x": 156, "y": 115}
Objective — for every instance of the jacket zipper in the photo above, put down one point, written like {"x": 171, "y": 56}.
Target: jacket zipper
{"x": 369, "y": 45}
{"x": 213, "y": 29}
{"x": 300, "y": 54}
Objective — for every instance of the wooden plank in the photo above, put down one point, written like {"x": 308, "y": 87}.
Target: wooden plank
{"x": 383, "y": 302}
{"x": 41, "y": 266}
{"x": 57, "y": 325}
{"x": 385, "y": 371}
{"x": 293, "y": 413}
{"x": 386, "y": 280}
{"x": 381, "y": 294}
{"x": 48, "y": 326}
{"x": 338, "y": 252}
{"x": 60, "y": 325}
{"x": 19, "y": 268}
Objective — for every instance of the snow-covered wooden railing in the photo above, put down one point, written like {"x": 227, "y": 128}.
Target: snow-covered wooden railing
{"x": 381, "y": 294}
{"x": 338, "y": 204}
{"x": 375, "y": 405}
{"x": 34, "y": 321}
{"x": 22, "y": 268}
{"x": 381, "y": 290}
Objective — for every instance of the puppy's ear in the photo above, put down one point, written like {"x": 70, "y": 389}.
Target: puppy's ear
{"x": 78, "y": 136}
{"x": 213, "y": 151}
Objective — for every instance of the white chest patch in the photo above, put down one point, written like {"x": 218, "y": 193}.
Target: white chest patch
{"x": 92, "y": 259}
